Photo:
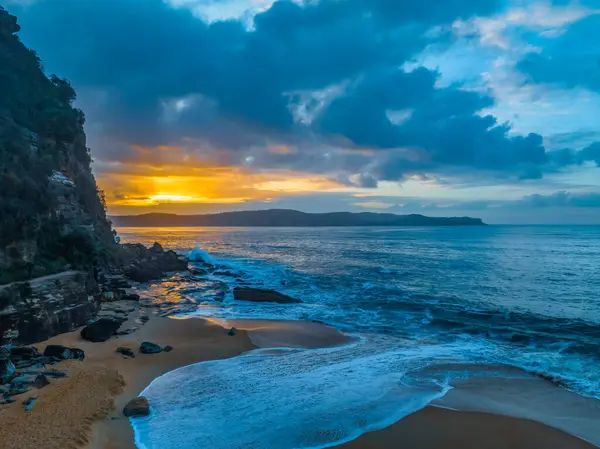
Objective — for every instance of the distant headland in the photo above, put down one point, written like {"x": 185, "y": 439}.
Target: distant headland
{"x": 290, "y": 218}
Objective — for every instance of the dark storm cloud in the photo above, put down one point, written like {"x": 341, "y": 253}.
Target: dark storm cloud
{"x": 150, "y": 75}
{"x": 570, "y": 60}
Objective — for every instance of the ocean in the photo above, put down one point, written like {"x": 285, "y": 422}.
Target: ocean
{"x": 428, "y": 308}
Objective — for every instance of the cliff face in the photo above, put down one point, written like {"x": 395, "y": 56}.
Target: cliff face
{"x": 54, "y": 235}
{"x": 51, "y": 215}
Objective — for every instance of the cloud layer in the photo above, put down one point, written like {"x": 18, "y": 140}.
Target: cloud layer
{"x": 326, "y": 91}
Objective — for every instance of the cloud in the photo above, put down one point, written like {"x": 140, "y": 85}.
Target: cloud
{"x": 569, "y": 60}
{"x": 318, "y": 90}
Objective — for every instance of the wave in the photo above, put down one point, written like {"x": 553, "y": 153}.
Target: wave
{"x": 292, "y": 398}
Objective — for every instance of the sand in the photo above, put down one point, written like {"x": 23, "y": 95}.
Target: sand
{"x": 84, "y": 410}
{"x": 436, "y": 428}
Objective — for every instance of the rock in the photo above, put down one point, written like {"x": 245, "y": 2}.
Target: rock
{"x": 262, "y": 295}
{"x": 5, "y": 353}
{"x": 109, "y": 296}
{"x": 6, "y": 401}
{"x": 137, "y": 407}
{"x": 143, "y": 272}
{"x": 126, "y": 352}
{"x": 55, "y": 374}
{"x": 61, "y": 352}
{"x": 232, "y": 332}
{"x": 41, "y": 381}
{"x": 167, "y": 348}
{"x": 7, "y": 369}
{"x": 157, "y": 248}
{"x": 43, "y": 307}
{"x": 77, "y": 354}
{"x": 14, "y": 391}
{"x": 29, "y": 402}
{"x": 150, "y": 348}
{"x": 130, "y": 297}
{"x": 24, "y": 353}
{"x": 144, "y": 318}
{"x": 23, "y": 380}
{"x": 100, "y": 330}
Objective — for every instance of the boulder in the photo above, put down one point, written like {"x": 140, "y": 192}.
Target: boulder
{"x": 262, "y": 295}
{"x": 137, "y": 407}
{"x": 77, "y": 354}
{"x": 167, "y": 348}
{"x": 150, "y": 348}
{"x": 7, "y": 369}
{"x": 232, "y": 332}
{"x": 130, "y": 297}
{"x": 143, "y": 272}
{"x": 41, "y": 381}
{"x": 126, "y": 352}
{"x": 60, "y": 352}
{"x": 100, "y": 330}
{"x": 24, "y": 353}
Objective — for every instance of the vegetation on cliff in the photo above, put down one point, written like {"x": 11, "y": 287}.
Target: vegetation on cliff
{"x": 51, "y": 214}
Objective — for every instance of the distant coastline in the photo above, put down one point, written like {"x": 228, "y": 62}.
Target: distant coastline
{"x": 289, "y": 218}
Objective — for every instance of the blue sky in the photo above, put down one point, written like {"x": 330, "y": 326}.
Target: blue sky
{"x": 488, "y": 108}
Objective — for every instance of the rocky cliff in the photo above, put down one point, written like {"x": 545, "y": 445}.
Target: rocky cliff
{"x": 54, "y": 235}
{"x": 52, "y": 217}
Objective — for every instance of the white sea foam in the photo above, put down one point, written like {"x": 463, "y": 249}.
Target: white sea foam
{"x": 200, "y": 255}
{"x": 279, "y": 399}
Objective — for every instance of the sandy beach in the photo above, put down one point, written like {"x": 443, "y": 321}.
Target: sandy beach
{"x": 84, "y": 410}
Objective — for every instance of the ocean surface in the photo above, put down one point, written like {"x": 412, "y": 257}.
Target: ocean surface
{"x": 428, "y": 307}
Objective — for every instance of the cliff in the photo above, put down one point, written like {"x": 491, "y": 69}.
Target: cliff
{"x": 52, "y": 217}
{"x": 291, "y": 218}
{"x": 54, "y": 235}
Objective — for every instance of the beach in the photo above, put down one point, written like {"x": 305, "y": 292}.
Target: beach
{"x": 85, "y": 409}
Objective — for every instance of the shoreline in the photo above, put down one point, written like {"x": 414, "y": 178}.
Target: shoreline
{"x": 98, "y": 388}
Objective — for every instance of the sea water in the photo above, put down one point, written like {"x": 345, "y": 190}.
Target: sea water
{"x": 418, "y": 300}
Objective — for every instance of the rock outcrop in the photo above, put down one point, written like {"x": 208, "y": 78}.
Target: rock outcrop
{"x": 143, "y": 264}
{"x": 137, "y": 407}
{"x": 262, "y": 295}
{"x": 36, "y": 310}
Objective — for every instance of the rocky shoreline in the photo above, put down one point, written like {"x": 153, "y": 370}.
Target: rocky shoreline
{"x": 112, "y": 308}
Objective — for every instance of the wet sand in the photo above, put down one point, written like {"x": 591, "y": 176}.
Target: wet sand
{"x": 436, "y": 428}
{"x": 84, "y": 410}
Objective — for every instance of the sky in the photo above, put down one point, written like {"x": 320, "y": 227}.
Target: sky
{"x": 485, "y": 108}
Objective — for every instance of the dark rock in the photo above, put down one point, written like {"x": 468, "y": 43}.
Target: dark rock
{"x": 150, "y": 348}
{"x": 7, "y": 369}
{"x": 61, "y": 352}
{"x": 23, "y": 380}
{"x": 157, "y": 248}
{"x": 137, "y": 407}
{"x": 143, "y": 272}
{"x": 55, "y": 374}
{"x": 41, "y": 381}
{"x": 232, "y": 332}
{"x": 49, "y": 306}
{"x": 14, "y": 391}
{"x": 167, "y": 348}
{"x": 77, "y": 354}
{"x": 20, "y": 364}
{"x": 198, "y": 271}
{"x": 262, "y": 295}
{"x": 144, "y": 318}
{"x": 29, "y": 402}
{"x": 131, "y": 297}
{"x": 5, "y": 353}
{"x": 126, "y": 352}
{"x": 131, "y": 330}
{"x": 24, "y": 353}
{"x": 100, "y": 330}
